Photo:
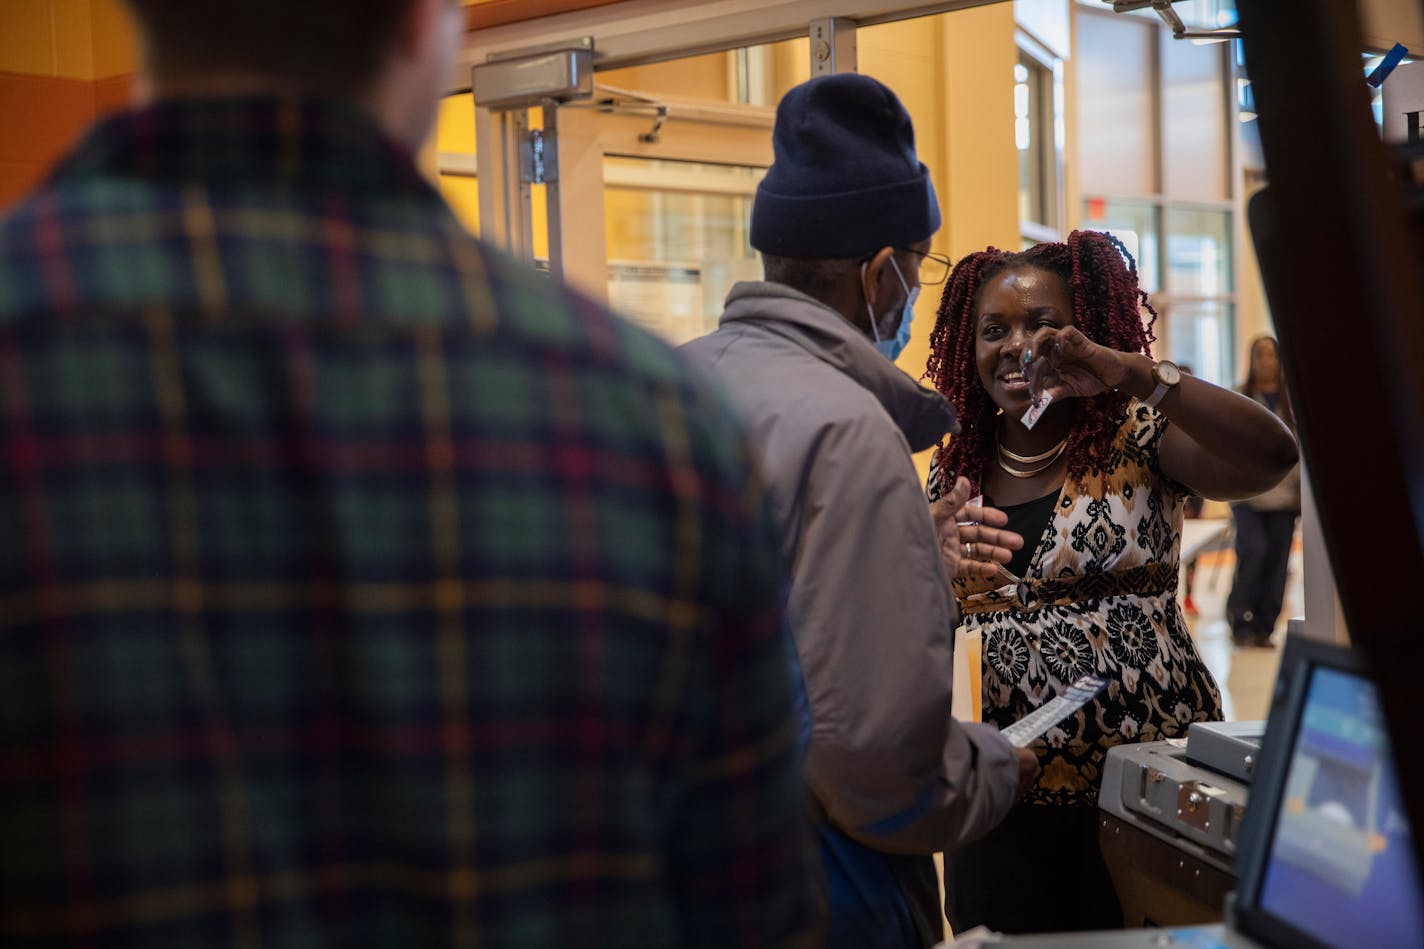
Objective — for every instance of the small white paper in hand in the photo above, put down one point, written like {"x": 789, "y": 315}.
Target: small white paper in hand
{"x": 1036, "y": 409}
{"x": 1035, "y": 723}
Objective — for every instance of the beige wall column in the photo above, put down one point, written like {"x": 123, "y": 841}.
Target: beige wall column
{"x": 980, "y": 166}
{"x": 1072, "y": 190}
{"x": 978, "y": 173}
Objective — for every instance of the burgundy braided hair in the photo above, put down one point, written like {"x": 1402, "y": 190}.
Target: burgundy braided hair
{"x": 1101, "y": 278}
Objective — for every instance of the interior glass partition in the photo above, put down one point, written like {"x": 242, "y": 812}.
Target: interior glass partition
{"x": 677, "y": 238}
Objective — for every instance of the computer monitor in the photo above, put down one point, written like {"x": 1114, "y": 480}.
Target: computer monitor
{"x": 1326, "y": 857}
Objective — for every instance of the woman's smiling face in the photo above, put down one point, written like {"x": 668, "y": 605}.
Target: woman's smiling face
{"x": 1013, "y": 305}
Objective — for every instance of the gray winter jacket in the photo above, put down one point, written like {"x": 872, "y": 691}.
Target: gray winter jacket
{"x": 834, "y": 424}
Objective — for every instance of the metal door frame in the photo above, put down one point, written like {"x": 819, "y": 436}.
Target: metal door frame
{"x": 576, "y": 136}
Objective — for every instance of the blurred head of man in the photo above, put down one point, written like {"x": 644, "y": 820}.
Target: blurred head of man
{"x": 389, "y": 57}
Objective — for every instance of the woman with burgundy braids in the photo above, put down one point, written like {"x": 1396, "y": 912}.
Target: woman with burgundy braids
{"x": 1096, "y": 487}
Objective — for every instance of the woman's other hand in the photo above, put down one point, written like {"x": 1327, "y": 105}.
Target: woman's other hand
{"x": 1028, "y": 771}
{"x": 972, "y": 542}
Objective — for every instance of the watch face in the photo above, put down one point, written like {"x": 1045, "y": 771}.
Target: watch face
{"x": 1167, "y": 373}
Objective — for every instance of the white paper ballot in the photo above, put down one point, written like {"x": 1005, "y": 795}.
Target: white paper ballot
{"x": 1041, "y": 719}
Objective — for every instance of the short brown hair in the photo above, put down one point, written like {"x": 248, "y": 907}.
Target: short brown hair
{"x": 332, "y": 46}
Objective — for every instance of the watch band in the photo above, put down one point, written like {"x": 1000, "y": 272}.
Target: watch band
{"x": 1167, "y": 375}
{"x": 1156, "y": 396}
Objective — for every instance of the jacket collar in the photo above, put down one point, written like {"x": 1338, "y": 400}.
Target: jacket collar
{"x": 308, "y": 143}
{"x": 923, "y": 415}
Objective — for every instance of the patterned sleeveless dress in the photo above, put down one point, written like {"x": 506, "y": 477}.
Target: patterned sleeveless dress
{"x": 1100, "y": 597}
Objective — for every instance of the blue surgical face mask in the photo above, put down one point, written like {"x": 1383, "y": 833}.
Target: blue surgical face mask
{"x": 892, "y": 348}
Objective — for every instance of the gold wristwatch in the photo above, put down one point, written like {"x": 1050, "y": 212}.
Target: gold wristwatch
{"x": 1167, "y": 375}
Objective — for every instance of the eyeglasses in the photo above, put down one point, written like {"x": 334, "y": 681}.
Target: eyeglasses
{"x": 934, "y": 268}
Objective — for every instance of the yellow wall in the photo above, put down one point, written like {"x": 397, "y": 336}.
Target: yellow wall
{"x": 954, "y": 72}
{"x": 909, "y": 58}
{"x": 791, "y": 66}
{"x": 455, "y": 133}
{"x": 115, "y": 46}
{"x": 67, "y": 39}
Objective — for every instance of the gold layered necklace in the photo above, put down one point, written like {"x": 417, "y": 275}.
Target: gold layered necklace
{"x": 1036, "y": 464}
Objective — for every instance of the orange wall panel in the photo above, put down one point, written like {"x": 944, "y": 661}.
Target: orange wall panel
{"x": 40, "y": 116}
{"x": 113, "y": 94}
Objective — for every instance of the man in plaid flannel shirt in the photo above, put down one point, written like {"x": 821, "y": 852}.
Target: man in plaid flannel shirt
{"x": 357, "y": 585}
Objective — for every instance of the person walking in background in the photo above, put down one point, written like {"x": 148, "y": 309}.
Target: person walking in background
{"x": 1265, "y": 524}
{"x": 1096, "y": 487}
{"x": 361, "y": 586}
{"x": 843, "y": 222}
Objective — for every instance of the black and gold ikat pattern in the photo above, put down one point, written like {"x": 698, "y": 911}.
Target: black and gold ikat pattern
{"x": 1100, "y": 596}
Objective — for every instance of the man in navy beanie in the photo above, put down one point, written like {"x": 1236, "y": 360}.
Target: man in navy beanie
{"x": 843, "y": 221}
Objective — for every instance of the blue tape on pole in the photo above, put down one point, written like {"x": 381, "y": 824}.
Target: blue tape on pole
{"x": 1391, "y": 59}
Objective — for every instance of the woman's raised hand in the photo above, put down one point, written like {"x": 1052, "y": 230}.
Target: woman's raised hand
{"x": 1071, "y": 366}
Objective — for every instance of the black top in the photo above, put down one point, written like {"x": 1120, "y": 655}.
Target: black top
{"x": 1028, "y": 519}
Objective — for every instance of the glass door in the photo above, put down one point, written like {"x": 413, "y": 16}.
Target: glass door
{"x": 677, "y": 239}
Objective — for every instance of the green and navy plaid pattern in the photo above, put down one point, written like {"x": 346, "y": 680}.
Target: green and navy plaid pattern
{"x": 359, "y": 586}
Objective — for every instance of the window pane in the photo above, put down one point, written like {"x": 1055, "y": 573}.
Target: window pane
{"x": 1135, "y": 224}
{"x": 1048, "y": 22}
{"x": 677, "y": 236}
{"x": 1198, "y": 252}
{"x": 1194, "y": 121}
{"x": 1116, "y": 121}
{"x": 1033, "y": 135}
{"x": 1198, "y": 334}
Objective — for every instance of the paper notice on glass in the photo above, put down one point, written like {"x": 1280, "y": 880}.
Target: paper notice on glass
{"x": 662, "y": 297}
{"x": 1035, "y": 723}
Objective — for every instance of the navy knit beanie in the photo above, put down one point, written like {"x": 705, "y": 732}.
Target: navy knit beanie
{"x": 845, "y": 180}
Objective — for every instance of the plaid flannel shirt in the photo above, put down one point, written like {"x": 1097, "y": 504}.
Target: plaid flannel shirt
{"x": 358, "y": 585}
